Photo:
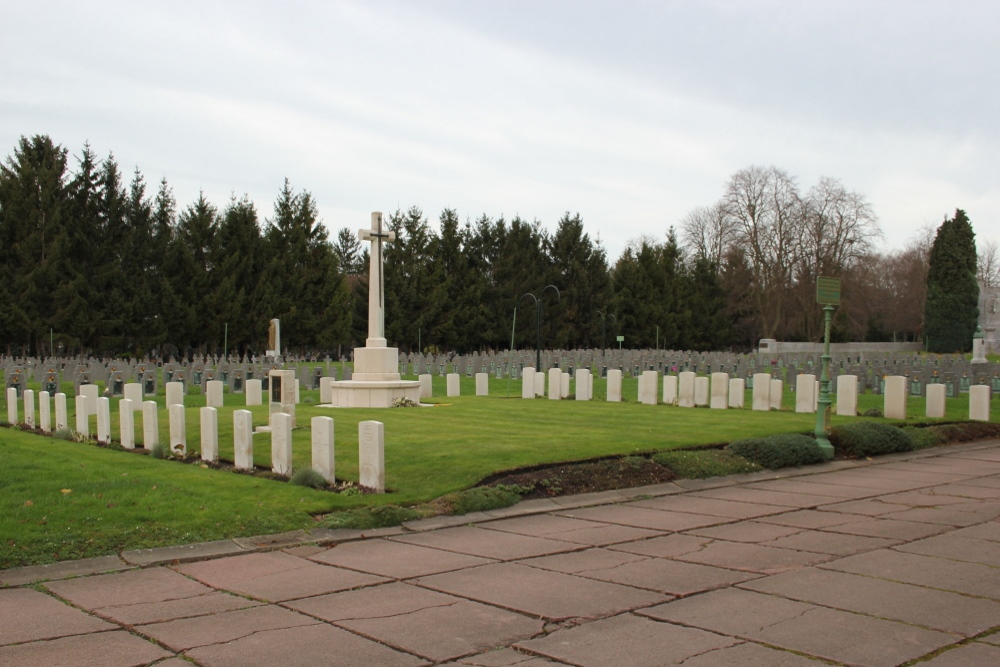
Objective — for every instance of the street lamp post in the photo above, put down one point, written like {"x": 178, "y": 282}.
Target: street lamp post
{"x": 538, "y": 322}
{"x": 604, "y": 330}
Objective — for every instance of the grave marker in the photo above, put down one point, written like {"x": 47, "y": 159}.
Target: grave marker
{"x": 243, "y": 439}
{"x": 323, "y": 460}
{"x": 371, "y": 455}
{"x": 209, "y": 434}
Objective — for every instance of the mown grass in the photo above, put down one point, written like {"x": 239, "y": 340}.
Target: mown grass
{"x": 118, "y": 500}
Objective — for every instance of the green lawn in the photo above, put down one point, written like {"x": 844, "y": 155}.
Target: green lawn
{"x": 115, "y": 500}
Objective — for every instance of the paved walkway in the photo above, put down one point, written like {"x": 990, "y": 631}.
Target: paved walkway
{"x": 877, "y": 563}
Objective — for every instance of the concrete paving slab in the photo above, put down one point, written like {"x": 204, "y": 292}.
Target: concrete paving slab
{"x": 973, "y": 653}
{"x": 583, "y": 561}
{"x": 953, "y": 515}
{"x": 504, "y": 657}
{"x": 760, "y": 497}
{"x": 968, "y": 578}
{"x": 127, "y": 588}
{"x": 670, "y": 576}
{"x": 810, "y": 486}
{"x": 625, "y": 641}
{"x": 666, "y": 546}
{"x": 642, "y": 517}
{"x": 749, "y": 654}
{"x": 187, "y": 633}
{"x": 710, "y": 506}
{"x": 492, "y": 544}
{"x": 938, "y": 610}
{"x": 993, "y": 639}
{"x": 19, "y": 576}
{"x": 275, "y": 576}
{"x": 471, "y": 628}
{"x": 730, "y": 611}
{"x": 383, "y": 601}
{"x": 540, "y": 593}
{"x": 276, "y": 541}
{"x": 182, "y": 554}
{"x": 984, "y": 531}
{"x": 935, "y": 496}
{"x": 305, "y": 646}
{"x": 154, "y": 612}
{"x": 965, "y": 549}
{"x": 834, "y": 544}
{"x": 873, "y": 507}
{"x": 969, "y": 491}
{"x": 28, "y": 615}
{"x": 605, "y": 535}
{"x": 746, "y": 531}
{"x": 753, "y": 557}
{"x": 103, "y": 649}
{"x": 396, "y": 560}
{"x": 809, "y": 519}
{"x": 889, "y": 528}
{"x": 873, "y": 642}
{"x": 540, "y": 525}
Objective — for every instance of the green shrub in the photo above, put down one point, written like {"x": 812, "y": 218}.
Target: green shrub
{"x": 872, "y": 412}
{"x": 64, "y": 434}
{"x": 703, "y": 463}
{"x": 967, "y": 431}
{"x": 308, "y": 477}
{"x": 870, "y": 439}
{"x": 160, "y": 451}
{"x": 924, "y": 437}
{"x": 779, "y": 451}
{"x": 371, "y": 517}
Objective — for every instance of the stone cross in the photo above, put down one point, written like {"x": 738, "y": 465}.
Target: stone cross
{"x": 376, "y": 285}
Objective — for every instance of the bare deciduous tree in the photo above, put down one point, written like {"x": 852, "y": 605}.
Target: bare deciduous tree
{"x": 988, "y": 263}
{"x": 708, "y": 232}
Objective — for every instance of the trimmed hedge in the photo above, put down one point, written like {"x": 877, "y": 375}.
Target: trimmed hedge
{"x": 779, "y": 451}
{"x": 863, "y": 439}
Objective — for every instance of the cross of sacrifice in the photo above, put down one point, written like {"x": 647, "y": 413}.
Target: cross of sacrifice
{"x": 376, "y": 285}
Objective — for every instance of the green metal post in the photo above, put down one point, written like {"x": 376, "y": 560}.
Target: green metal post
{"x": 823, "y": 410}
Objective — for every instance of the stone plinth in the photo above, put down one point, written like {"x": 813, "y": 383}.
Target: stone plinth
{"x": 358, "y": 394}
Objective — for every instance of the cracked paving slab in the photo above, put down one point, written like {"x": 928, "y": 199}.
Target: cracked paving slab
{"x": 189, "y": 633}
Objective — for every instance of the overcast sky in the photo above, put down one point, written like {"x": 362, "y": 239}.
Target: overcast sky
{"x": 629, "y": 113}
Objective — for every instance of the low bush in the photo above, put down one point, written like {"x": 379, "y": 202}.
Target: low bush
{"x": 924, "y": 437}
{"x": 779, "y": 451}
{"x": 481, "y": 498}
{"x": 702, "y": 463}
{"x": 862, "y": 439}
{"x": 872, "y": 412}
{"x": 371, "y": 517}
{"x": 308, "y": 477}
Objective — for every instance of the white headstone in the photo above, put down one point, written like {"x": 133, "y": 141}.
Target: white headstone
{"x": 685, "y": 389}
{"x": 761, "y": 392}
{"x": 126, "y": 423}
{"x": 614, "y": 385}
{"x": 720, "y": 391}
{"x": 539, "y": 383}
{"x": 582, "y": 384}
{"x": 482, "y": 384}
{"x": 895, "y": 397}
{"x": 175, "y": 394}
{"x": 178, "y": 430}
{"x": 326, "y": 391}
{"x": 150, "y": 425}
{"x": 82, "y": 416}
{"x": 29, "y": 408}
{"x": 979, "y": 402}
{"x": 777, "y": 394}
{"x": 737, "y": 393}
{"x": 528, "y": 383}
{"x": 133, "y": 392}
{"x": 254, "y": 392}
{"x": 12, "y": 411}
{"x": 209, "y": 434}
{"x": 805, "y": 392}
{"x": 90, "y": 391}
{"x": 243, "y": 439}
{"x": 565, "y": 384}
{"x": 322, "y": 448}
{"x": 213, "y": 393}
{"x": 297, "y": 399}
{"x": 453, "y": 381}
{"x": 281, "y": 443}
{"x": 847, "y": 395}
{"x": 701, "y": 391}
{"x": 44, "y": 412}
{"x": 426, "y": 386}
{"x": 670, "y": 390}
{"x": 103, "y": 420}
{"x": 555, "y": 384}
{"x": 649, "y": 382}
{"x": 62, "y": 415}
{"x": 371, "y": 455}
{"x": 937, "y": 395}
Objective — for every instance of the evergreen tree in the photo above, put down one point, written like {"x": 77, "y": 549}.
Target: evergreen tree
{"x": 414, "y": 296}
{"x": 348, "y": 252}
{"x": 580, "y": 271}
{"x": 952, "y": 307}
{"x": 239, "y": 261}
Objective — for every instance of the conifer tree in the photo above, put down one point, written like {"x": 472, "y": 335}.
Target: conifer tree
{"x": 952, "y": 307}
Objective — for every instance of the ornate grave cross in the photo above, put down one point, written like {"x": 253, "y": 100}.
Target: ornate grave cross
{"x": 376, "y": 284}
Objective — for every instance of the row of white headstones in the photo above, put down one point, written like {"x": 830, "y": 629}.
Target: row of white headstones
{"x": 719, "y": 391}
{"x": 371, "y": 434}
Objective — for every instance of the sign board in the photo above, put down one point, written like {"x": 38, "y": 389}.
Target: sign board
{"x": 621, "y": 339}
{"x": 828, "y": 291}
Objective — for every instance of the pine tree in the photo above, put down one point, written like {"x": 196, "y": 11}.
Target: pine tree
{"x": 239, "y": 262}
{"x": 952, "y": 307}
